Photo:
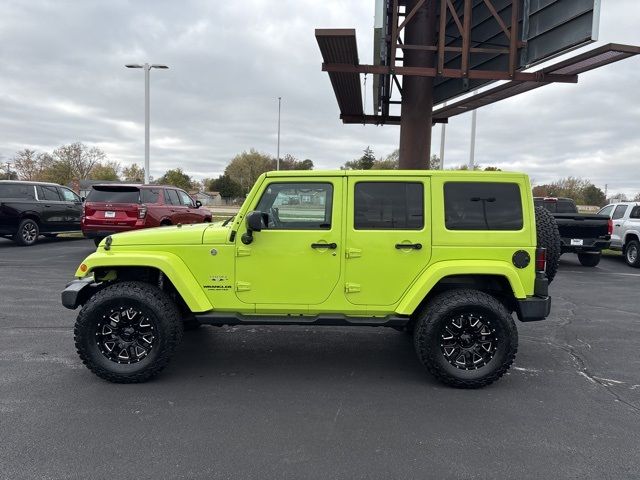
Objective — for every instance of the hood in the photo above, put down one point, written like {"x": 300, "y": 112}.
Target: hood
{"x": 173, "y": 235}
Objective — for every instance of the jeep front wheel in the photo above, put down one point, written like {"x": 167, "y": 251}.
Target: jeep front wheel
{"x": 466, "y": 338}
{"x": 127, "y": 332}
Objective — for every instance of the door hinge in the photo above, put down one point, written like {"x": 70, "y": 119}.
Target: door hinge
{"x": 243, "y": 286}
{"x": 353, "y": 253}
{"x": 351, "y": 287}
{"x": 243, "y": 252}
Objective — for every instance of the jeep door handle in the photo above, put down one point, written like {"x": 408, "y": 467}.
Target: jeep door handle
{"x": 332, "y": 246}
{"x": 414, "y": 246}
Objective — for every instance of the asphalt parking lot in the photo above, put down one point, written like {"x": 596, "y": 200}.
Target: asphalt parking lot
{"x": 324, "y": 402}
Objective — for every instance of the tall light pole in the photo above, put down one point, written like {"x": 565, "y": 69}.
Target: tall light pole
{"x": 278, "y": 160}
{"x": 443, "y": 135}
{"x": 147, "y": 68}
{"x": 472, "y": 149}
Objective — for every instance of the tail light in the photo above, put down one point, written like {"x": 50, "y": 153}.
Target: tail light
{"x": 610, "y": 227}
{"x": 142, "y": 211}
{"x": 541, "y": 259}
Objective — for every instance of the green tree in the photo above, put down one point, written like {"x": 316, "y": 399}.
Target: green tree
{"x": 289, "y": 162}
{"x": 225, "y": 186}
{"x": 365, "y": 162}
{"x": 105, "y": 171}
{"x": 133, "y": 173}
{"x": 592, "y": 195}
{"x": 177, "y": 178}
{"x": 246, "y": 167}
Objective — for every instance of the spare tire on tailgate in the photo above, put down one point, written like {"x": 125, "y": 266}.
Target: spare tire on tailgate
{"x": 548, "y": 237}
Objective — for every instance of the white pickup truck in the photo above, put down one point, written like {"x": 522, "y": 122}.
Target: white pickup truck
{"x": 626, "y": 229}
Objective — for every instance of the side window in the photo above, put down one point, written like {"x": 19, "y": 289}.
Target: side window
{"x": 482, "y": 206}
{"x": 68, "y": 195}
{"x": 298, "y": 206}
{"x": 185, "y": 199}
{"x": 619, "y": 212}
{"x": 49, "y": 193}
{"x": 606, "y": 210}
{"x": 16, "y": 190}
{"x": 150, "y": 195}
{"x": 388, "y": 205}
{"x": 635, "y": 213}
{"x": 171, "y": 197}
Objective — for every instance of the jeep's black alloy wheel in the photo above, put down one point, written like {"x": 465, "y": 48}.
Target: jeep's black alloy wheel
{"x": 468, "y": 341}
{"x": 465, "y": 338}
{"x": 125, "y": 335}
{"x": 128, "y": 331}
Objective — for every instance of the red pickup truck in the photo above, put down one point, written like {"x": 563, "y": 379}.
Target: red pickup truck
{"x": 116, "y": 208}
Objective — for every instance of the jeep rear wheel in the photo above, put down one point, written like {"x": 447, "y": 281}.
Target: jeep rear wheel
{"x": 466, "y": 338}
{"x": 548, "y": 236}
{"x": 128, "y": 332}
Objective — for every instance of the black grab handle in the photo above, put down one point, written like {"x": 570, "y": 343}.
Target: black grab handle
{"x": 415, "y": 246}
{"x": 332, "y": 246}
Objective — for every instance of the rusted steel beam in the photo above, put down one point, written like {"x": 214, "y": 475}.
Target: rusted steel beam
{"x": 466, "y": 37}
{"x": 379, "y": 119}
{"x": 451, "y": 73}
{"x": 393, "y": 44}
{"x": 513, "y": 41}
{"x": 409, "y": 16}
{"x": 498, "y": 18}
{"x": 455, "y": 16}
{"x": 442, "y": 37}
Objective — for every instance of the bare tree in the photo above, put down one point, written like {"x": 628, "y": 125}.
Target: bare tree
{"x": 79, "y": 158}
{"x": 31, "y": 165}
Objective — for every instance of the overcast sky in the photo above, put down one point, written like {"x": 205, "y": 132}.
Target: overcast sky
{"x": 62, "y": 79}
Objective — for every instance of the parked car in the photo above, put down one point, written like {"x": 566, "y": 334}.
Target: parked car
{"x": 626, "y": 229}
{"x": 583, "y": 234}
{"x": 31, "y": 209}
{"x": 448, "y": 257}
{"x": 114, "y": 208}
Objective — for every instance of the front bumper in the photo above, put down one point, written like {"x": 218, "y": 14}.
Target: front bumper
{"x": 77, "y": 292}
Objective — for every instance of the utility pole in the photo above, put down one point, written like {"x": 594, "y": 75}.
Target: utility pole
{"x": 147, "y": 68}
{"x": 278, "y": 159}
{"x": 472, "y": 149}
{"x": 443, "y": 134}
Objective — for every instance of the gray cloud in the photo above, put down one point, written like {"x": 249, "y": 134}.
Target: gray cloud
{"x": 62, "y": 79}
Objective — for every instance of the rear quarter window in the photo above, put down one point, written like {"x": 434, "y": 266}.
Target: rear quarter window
{"x": 23, "y": 192}
{"x": 114, "y": 195}
{"x": 482, "y": 206}
{"x": 150, "y": 195}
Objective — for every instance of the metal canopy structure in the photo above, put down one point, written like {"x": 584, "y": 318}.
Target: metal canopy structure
{"x": 455, "y": 46}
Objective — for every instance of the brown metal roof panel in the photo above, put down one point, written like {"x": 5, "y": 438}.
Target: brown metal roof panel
{"x": 339, "y": 46}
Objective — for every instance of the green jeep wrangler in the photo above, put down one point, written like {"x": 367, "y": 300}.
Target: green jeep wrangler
{"x": 445, "y": 256}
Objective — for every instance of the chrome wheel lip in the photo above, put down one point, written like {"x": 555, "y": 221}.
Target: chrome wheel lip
{"x": 29, "y": 232}
{"x": 125, "y": 335}
{"x": 468, "y": 340}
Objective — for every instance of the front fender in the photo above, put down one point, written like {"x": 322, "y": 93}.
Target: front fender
{"x": 436, "y": 272}
{"x": 168, "y": 263}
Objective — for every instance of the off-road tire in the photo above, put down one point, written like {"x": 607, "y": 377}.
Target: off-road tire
{"x": 548, "y": 237}
{"x": 589, "y": 259}
{"x": 630, "y": 247}
{"x": 27, "y": 233}
{"x": 431, "y": 321}
{"x": 155, "y": 304}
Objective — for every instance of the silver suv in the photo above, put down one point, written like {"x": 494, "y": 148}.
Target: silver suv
{"x": 626, "y": 229}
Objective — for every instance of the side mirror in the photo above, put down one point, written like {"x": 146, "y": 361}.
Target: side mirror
{"x": 82, "y": 199}
{"x": 255, "y": 222}
{"x": 198, "y": 203}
